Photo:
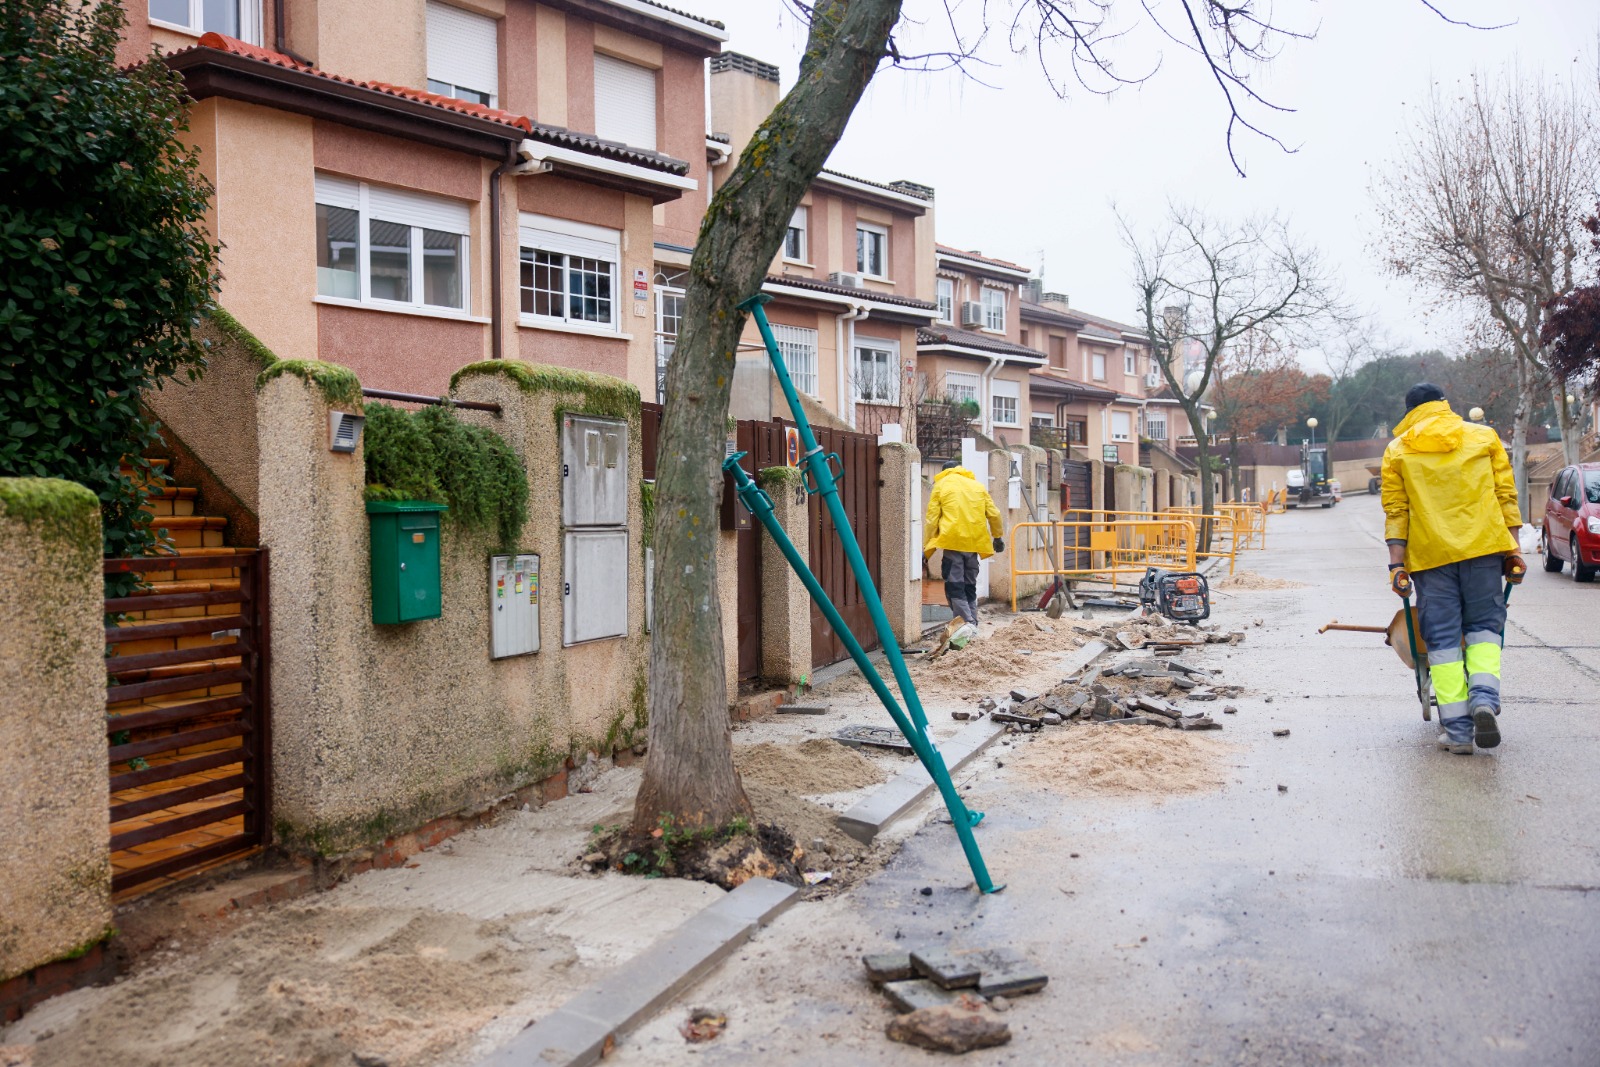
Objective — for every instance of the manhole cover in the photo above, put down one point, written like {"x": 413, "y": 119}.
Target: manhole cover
{"x": 876, "y": 736}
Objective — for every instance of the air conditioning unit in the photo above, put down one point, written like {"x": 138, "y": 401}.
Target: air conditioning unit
{"x": 971, "y": 314}
{"x": 849, "y": 281}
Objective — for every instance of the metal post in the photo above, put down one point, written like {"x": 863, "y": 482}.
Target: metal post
{"x": 823, "y": 482}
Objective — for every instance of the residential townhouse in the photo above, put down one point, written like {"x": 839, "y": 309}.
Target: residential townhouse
{"x": 408, "y": 190}
{"x": 973, "y": 351}
{"x": 849, "y": 287}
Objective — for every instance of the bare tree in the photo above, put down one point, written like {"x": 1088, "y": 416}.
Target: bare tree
{"x": 1357, "y": 343}
{"x": 1218, "y": 284}
{"x": 690, "y": 775}
{"x": 1483, "y": 208}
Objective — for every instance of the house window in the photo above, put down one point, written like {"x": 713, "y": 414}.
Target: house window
{"x": 1078, "y": 431}
{"x": 945, "y": 290}
{"x": 960, "y": 386}
{"x": 1003, "y": 403}
{"x": 1058, "y": 352}
{"x": 463, "y": 54}
{"x": 1042, "y": 420}
{"x": 798, "y": 346}
{"x": 389, "y": 246}
{"x": 1129, "y": 365}
{"x": 994, "y": 309}
{"x": 1156, "y": 428}
{"x": 624, "y": 102}
{"x": 1121, "y": 426}
{"x": 670, "y": 297}
{"x": 794, "y": 239}
{"x": 877, "y": 373}
{"x": 872, "y": 250}
{"x": 232, "y": 18}
{"x": 568, "y": 274}
{"x": 1097, "y": 366}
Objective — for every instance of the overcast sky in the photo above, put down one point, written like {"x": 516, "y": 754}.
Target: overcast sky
{"x": 1027, "y": 176}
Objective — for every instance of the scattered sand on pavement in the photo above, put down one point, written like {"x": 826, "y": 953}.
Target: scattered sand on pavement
{"x": 1007, "y": 654}
{"x": 1249, "y": 580}
{"x": 1123, "y": 761}
{"x": 819, "y": 765}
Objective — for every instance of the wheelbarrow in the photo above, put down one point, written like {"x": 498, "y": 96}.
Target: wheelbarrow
{"x": 1413, "y": 651}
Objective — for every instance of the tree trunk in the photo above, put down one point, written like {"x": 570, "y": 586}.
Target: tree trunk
{"x": 1208, "y": 497}
{"x": 690, "y": 775}
{"x": 1571, "y": 428}
{"x": 1519, "y": 433}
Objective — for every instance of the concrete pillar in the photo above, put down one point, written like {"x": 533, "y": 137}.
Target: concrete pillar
{"x": 785, "y": 604}
{"x": 900, "y": 539}
{"x": 55, "y": 867}
{"x": 1163, "y": 490}
{"x": 728, "y": 601}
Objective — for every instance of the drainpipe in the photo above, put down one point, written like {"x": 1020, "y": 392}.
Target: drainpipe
{"x": 280, "y": 34}
{"x": 984, "y": 381}
{"x": 847, "y": 399}
{"x": 496, "y": 269}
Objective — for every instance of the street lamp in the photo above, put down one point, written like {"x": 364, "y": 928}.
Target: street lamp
{"x": 1476, "y": 414}
{"x": 1312, "y": 422}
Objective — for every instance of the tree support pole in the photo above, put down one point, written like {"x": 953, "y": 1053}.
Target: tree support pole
{"x": 914, "y": 726}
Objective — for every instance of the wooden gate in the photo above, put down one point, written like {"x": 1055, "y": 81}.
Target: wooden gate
{"x": 187, "y": 714}
{"x": 1076, "y": 477}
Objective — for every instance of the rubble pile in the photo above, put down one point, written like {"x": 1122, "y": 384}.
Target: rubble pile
{"x": 948, "y": 999}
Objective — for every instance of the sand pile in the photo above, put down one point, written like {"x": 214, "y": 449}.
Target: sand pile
{"x": 999, "y": 659}
{"x": 820, "y": 765}
{"x": 1123, "y": 761}
{"x": 1248, "y": 580}
{"x": 808, "y": 823}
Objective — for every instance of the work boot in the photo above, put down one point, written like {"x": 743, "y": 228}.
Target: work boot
{"x": 1485, "y": 725}
{"x": 1457, "y": 736}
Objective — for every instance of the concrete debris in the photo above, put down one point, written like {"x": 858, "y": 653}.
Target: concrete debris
{"x": 888, "y": 967}
{"x": 949, "y": 970}
{"x": 950, "y": 1028}
{"x": 802, "y": 709}
{"x": 1231, "y": 709}
{"x": 1280, "y": 733}
{"x": 1021, "y": 697}
{"x": 915, "y": 994}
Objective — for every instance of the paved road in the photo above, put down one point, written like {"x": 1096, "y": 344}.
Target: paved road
{"x": 1397, "y": 905}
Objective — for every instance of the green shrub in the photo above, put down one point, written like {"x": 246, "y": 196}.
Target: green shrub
{"x": 432, "y": 455}
{"x": 105, "y": 266}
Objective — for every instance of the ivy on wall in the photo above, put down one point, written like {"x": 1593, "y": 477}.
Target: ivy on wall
{"x": 105, "y": 265}
{"x": 432, "y": 455}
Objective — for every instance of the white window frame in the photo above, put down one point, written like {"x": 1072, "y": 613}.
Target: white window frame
{"x": 961, "y": 385}
{"x": 885, "y": 355}
{"x": 1005, "y": 398}
{"x": 799, "y": 225}
{"x": 570, "y": 240}
{"x": 871, "y": 230}
{"x": 1130, "y": 365}
{"x": 633, "y": 127}
{"x": 666, "y": 340}
{"x": 1155, "y": 427}
{"x": 1097, "y": 366}
{"x": 994, "y": 308}
{"x": 1127, "y": 426}
{"x": 249, "y": 21}
{"x": 418, "y": 211}
{"x": 452, "y": 34}
{"x": 945, "y": 298}
{"x": 798, "y": 346}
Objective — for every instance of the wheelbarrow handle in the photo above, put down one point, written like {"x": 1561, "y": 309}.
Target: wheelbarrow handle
{"x": 1337, "y": 625}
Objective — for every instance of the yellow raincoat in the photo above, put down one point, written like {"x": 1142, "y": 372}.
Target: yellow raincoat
{"x": 1447, "y": 489}
{"x": 961, "y": 516}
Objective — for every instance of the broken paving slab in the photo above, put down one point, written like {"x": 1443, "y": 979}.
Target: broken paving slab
{"x": 1006, "y": 972}
{"x": 868, "y": 816}
{"x": 948, "y": 969}
{"x": 580, "y": 1032}
{"x": 888, "y": 967}
{"x": 914, "y": 994}
{"x": 802, "y": 709}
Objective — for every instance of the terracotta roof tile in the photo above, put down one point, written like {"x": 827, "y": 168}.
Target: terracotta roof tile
{"x": 982, "y": 342}
{"x": 1056, "y": 381}
{"x": 845, "y": 290}
{"x": 977, "y": 258}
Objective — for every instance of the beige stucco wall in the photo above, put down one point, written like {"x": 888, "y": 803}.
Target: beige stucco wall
{"x": 899, "y": 560}
{"x": 379, "y": 728}
{"x": 55, "y": 864}
{"x": 388, "y": 48}
{"x": 1134, "y": 488}
{"x": 785, "y": 604}
{"x": 728, "y": 605}
{"x": 1020, "y": 551}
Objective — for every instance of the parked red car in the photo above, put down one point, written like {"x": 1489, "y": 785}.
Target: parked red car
{"x": 1572, "y": 522}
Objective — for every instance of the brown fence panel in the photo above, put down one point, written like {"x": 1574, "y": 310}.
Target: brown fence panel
{"x": 187, "y": 714}
{"x": 1077, "y": 477}
{"x": 858, "y": 491}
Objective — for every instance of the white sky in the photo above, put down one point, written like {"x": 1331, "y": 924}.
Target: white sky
{"x": 1026, "y": 176}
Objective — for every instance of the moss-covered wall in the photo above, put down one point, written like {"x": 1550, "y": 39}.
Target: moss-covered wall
{"x": 55, "y": 865}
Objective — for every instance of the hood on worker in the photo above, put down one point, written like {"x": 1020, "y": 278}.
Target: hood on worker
{"x": 962, "y": 471}
{"x": 1431, "y": 427}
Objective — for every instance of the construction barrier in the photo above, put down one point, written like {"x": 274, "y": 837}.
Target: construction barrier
{"x": 1114, "y": 548}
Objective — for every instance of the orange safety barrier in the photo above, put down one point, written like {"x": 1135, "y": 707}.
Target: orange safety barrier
{"x": 1112, "y": 548}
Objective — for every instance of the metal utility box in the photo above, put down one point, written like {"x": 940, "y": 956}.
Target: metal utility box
{"x": 594, "y": 471}
{"x": 513, "y": 605}
{"x": 405, "y": 560}
{"x": 594, "y": 585}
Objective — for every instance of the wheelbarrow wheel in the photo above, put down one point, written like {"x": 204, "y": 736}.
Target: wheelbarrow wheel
{"x": 1425, "y": 693}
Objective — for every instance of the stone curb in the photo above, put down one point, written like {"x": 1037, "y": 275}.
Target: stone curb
{"x": 586, "y": 1028}
{"x": 870, "y": 815}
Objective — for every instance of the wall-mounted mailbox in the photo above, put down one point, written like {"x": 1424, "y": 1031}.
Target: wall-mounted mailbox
{"x": 405, "y": 560}
{"x": 513, "y": 605}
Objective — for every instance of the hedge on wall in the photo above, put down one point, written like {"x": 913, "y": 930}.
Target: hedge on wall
{"x": 432, "y": 455}
{"x": 105, "y": 266}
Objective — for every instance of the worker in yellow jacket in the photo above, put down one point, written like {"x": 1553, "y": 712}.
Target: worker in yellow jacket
{"x": 963, "y": 521}
{"x": 1451, "y": 520}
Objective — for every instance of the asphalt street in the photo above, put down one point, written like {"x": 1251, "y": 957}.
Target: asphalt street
{"x": 1395, "y": 904}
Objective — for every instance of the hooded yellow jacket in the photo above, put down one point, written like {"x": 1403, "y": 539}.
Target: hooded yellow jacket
{"x": 961, "y": 516}
{"x": 1447, "y": 489}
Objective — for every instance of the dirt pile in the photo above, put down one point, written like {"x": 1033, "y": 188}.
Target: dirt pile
{"x": 1123, "y": 761}
{"x": 998, "y": 658}
{"x": 1250, "y": 581}
{"x": 815, "y": 766}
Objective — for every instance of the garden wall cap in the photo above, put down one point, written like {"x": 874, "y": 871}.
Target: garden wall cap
{"x": 391, "y": 507}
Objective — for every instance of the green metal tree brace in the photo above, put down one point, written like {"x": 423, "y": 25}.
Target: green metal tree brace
{"x": 821, "y": 479}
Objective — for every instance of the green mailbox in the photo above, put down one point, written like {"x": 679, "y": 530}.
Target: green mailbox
{"x": 405, "y": 560}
